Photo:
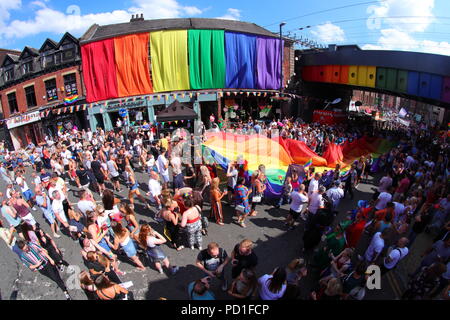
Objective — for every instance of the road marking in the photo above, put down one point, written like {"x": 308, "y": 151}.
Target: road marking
{"x": 394, "y": 284}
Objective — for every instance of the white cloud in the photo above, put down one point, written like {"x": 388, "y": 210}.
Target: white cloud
{"x": 392, "y": 39}
{"x": 5, "y": 7}
{"x": 423, "y": 9}
{"x": 46, "y": 19}
{"x": 232, "y": 14}
{"x": 328, "y": 33}
{"x": 400, "y": 33}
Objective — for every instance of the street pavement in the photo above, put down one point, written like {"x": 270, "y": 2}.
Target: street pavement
{"x": 275, "y": 246}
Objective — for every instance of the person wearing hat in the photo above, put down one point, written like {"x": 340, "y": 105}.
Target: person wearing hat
{"x": 335, "y": 194}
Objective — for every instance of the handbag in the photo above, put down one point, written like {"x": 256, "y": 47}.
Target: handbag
{"x": 240, "y": 208}
{"x": 257, "y": 198}
{"x": 205, "y": 222}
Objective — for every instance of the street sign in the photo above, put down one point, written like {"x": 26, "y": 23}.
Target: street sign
{"x": 123, "y": 112}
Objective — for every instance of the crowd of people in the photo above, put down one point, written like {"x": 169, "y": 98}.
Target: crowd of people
{"x": 411, "y": 198}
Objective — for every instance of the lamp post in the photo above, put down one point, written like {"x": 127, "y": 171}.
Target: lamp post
{"x": 281, "y": 54}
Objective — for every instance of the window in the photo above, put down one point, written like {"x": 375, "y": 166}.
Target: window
{"x": 49, "y": 60}
{"x": 12, "y": 101}
{"x": 27, "y": 67}
{"x": 68, "y": 52}
{"x": 58, "y": 58}
{"x": 50, "y": 87}
{"x": 70, "y": 84}
{"x": 31, "y": 96}
{"x": 9, "y": 74}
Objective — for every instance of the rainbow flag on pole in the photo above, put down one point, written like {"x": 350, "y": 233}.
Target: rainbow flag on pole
{"x": 309, "y": 163}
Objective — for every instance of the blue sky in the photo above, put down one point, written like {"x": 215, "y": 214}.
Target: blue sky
{"x": 413, "y": 25}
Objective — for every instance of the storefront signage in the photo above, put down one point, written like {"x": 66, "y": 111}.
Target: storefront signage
{"x": 328, "y": 117}
{"x": 116, "y": 105}
{"x": 23, "y": 120}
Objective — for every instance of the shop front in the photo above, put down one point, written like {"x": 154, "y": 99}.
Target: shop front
{"x": 243, "y": 107}
{"x": 25, "y": 129}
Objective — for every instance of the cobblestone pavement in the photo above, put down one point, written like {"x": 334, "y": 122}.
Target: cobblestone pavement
{"x": 274, "y": 246}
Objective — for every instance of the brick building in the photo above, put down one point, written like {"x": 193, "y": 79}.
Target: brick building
{"x": 34, "y": 84}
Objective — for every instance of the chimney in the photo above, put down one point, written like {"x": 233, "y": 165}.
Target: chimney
{"x": 137, "y": 17}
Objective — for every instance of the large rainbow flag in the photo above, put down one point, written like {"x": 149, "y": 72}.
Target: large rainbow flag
{"x": 277, "y": 154}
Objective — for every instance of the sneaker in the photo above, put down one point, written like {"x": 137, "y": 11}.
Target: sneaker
{"x": 224, "y": 285}
{"x": 291, "y": 228}
{"x": 192, "y": 248}
{"x": 161, "y": 271}
{"x": 62, "y": 268}
{"x": 175, "y": 269}
{"x": 34, "y": 209}
{"x": 68, "y": 297}
{"x": 56, "y": 235}
{"x": 200, "y": 248}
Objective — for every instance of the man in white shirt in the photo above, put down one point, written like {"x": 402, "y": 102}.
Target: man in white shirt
{"x": 383, "y": 200}
{"x": 232, "y": 176}
{"x": 86, "y": 203}
{"x": 397, "y": 253}
{"x": 409, "y": 162}
{"x": 385, "y": 183}
{"x": 178, "y": 178}
{"x": 335, "y": 194}
{"x": 26, "y": 191}
{"x": 58, "y": 208}
{"x": 314, "y": 184}
{"x": 299, "y": 200}
{"x": 154, "y": 189}
{"x": 316, "y": 200}
{"x": 163, "y": 167}
{"x": 66, "y": 155}
{"x": 376, "y": 246}
{"x": 399, "y": 209}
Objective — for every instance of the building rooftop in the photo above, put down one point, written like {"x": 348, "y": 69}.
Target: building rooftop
{"x": 97, "y": 32}
{"x": 4, "y": 52}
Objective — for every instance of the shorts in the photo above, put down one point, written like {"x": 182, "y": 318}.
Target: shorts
{"x": 104, "y": 245}
{"x": 29, "y": 219}
{"x": 134, "y": 187}
{"x": 100, "y": 179}
{"x": 28, "y": 195}
{"x": 178, "y": 181}
{"x": 115, "y": 179}
{"x": 66, "y": 167}
{"x": 294, "y": 214}
{"x": 156, "y": 254}
{"x": 50, "y": 216}
{"x": 165, "y": 178}
{"x": 130, "y": 249}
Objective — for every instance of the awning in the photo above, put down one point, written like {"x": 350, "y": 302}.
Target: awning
{"x": 176, "y": 111}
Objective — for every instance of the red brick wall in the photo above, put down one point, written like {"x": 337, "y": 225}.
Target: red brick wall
{"x": 39, "y": 89}
{"x": 288, "y": 62}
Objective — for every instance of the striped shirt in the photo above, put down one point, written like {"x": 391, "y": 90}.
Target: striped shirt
{"x": 33, "y": 256}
